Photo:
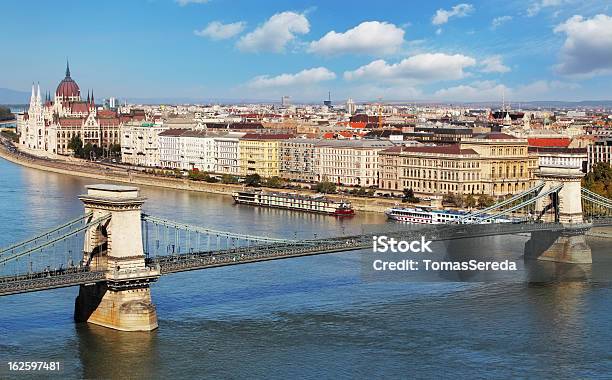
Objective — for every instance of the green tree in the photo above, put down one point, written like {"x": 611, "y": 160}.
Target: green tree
{"x": 358, "y": 191}
{"x": 76, "y": 144}
{"x": 88, "y": 151}
{"x": 115, "y": 150}
{"x": 10, "y": 135}
{"x": 210, "y": 179}
{"x": 485, "y": 200}
{"x": 196, "y": 175}
{"x": 6, "y": 114}
{"x": 409, "y": 196}
{"x": 325, "y": 187}
{"x": 453, "y": 199}
{"x": 252, "y": 180}
{"x": 469, "y": 201}
{"x": 229, "y": 179}
{"x": 599, "y": 179}
{"x": 274, "y": 182}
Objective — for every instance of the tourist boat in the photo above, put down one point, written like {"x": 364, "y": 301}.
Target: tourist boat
{"x": 292, "y": 201}
{"x": 425, "y": 215}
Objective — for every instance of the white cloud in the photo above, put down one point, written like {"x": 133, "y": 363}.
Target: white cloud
{"x": 275, "y": 33}
{"x": 370, "y": 37}
{"x": 182, "y": 3}
{"x": 387, "y": 92}
{"x": 460, "y": 10}
{"x": 219, "y": 31}
{"x": 474, "y": 92}
{"x": 427, "y": 67}
{"x": 587, "y": 49}
{"x": 535, "y": 7}
{"x": 484, "y": 91}
{"x": 541, "y": 90}
{"x": 498, "y": 21}
{"x": 493, "y": 64}
{"x": 303, "y": 78}
{"x": 438, "y": 31}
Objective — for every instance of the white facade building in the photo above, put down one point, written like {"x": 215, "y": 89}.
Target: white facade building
{"x": 350, "y": 162}
{"x": 170, "y": 154}
{"x": 227, "y": 153}
{"x": 197, "y": 151}
{"x": 601, "y": 151}
{"x": 140, "y": 144}
{"x": 51, "y": 123}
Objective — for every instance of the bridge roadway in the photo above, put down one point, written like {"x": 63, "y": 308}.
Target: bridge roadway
{"x": 51, "y": 279}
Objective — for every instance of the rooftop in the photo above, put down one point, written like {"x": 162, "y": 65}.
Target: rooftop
{"x": 495, "y": 136}
{"x": 438, "y": 149}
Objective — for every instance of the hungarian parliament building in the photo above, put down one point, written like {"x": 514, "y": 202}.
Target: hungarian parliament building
{"x": 50, "y": 123}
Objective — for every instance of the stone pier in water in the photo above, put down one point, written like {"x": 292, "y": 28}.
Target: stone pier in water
{"x": 114, "y": 246}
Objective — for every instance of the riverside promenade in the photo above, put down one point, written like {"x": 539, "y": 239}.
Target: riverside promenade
{"x": 116, "y": 173}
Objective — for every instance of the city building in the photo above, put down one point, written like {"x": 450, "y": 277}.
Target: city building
{"x": 298, "y": 159}
{"x": 259, "y": 154}
{"x": 431, "y": 170}
{"x": 600, "y": 151}
{"x": 140, "y": 143}
{"x": 197, "y": 151}
{"x": 50, "y": 124}
{"x": 227, "y": 153}
{"x": 496, "y": 164}
{"x": 350, "y": 107}
{"x": 350, "y": 162}
{"x": 561, "y": 157}
{"x": 442, "y": 134}
{"x": 507, "y": 166}
{"x": 170, "y": 154}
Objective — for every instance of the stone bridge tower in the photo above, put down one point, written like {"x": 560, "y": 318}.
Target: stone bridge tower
{"x": 568, "y": 200}
{"x": 123, "y": 300}
{"x": 569, "y": 246}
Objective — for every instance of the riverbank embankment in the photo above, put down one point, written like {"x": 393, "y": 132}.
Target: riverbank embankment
{"x": 125, "y": 175}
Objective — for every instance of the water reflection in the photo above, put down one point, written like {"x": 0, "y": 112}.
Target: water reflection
{"x": 111, "y": 354}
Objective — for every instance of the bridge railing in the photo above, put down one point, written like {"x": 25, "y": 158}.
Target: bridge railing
{"x": 131, "y": 274}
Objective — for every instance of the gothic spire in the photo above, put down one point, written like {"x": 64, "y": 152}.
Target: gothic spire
{"x": 87, "y": 96}
{"x": 93, "y": 102}
{"x": 67, "y": 69}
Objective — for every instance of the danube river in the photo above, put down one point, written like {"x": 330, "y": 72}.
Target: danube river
{"x": 311, "y": 317}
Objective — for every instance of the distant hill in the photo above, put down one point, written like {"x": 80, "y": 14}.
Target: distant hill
{"x": 8, "y": 96}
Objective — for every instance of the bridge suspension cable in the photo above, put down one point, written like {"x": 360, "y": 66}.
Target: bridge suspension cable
{"x": 508, "y": 201}
{"x": 586, "y": 193}
{"x": 46, "y": 233}
{"x": 48, "y": 243}
{"x": 204, "y": 230}
{"x": 522, "y": 204}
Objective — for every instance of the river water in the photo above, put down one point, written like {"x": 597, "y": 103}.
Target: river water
{"x": 311, "y": 317}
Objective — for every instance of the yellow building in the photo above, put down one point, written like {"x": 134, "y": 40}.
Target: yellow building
{"x": 259, "y": 154}
{"x": 507, "y": 166}
{"x": 495, "y": 164}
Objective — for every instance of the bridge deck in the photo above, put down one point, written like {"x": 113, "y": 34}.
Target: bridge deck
{"x": 48, "y": 280}
{"x": 274, "y": 251}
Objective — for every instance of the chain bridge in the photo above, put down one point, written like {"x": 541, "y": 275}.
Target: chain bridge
{"x": 114, "y": 251}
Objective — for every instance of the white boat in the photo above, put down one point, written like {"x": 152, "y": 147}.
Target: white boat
{"x": 291, "y": 201}
{"x": 425, "y": 215}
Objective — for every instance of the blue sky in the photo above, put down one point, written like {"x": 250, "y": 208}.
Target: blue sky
{"x": 395, "y": 50}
